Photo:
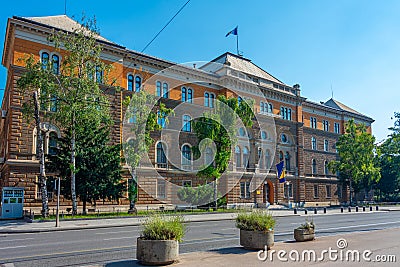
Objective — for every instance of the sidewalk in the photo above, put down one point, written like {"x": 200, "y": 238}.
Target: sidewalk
{"x": 19, "y": 226}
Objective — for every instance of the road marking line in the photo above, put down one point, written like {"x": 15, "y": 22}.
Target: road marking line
{"x": 117, "y": 238}
{"x": 14, "y": 247}
{"x": 113, "y": 232}
{"x": 20, "y": 239}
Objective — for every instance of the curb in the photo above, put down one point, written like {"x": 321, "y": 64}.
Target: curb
{"x": 137, "y": 223}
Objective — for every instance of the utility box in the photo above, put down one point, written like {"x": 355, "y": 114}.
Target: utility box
{"x": 12, "y": 203}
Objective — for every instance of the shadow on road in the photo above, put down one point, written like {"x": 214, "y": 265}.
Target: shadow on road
{"x": 124, "y": 263}
{"x": 234, "y": 250}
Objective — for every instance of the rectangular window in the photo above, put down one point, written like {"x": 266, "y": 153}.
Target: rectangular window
{"x": 339, "y": 191}
{"x": 326, "y": 145}
{"x": 328, "y": 191}
{"x": 288, "y": 188}
{"x": 316, "y": 193}
{"x": 286, "y": 113}
{"x": 245, "y": 189}
{"x": 313, "y": 122}
{"x": 160, "y": 188}
{"x": 337, "y": 127}
{"x": 326, "y": 125}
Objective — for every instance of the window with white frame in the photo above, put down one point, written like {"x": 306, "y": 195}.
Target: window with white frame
{"x": 246, "y": 157}
{"x": 186, "y": 157}
{"x": 187, "y": 94}
{"x": 326, "y": 125}
{"x": 161, "y": 188}
{"x": 130, "y": 82}
{"x": 165, "y": 90}
{"x": 158, "y": 88}
{"x": 288, "y": 188}
{"x": 161, "y": 120}
{"x": 267, "y": 159}
{"x": 160, "y": 155}
{"x": 244, "y": 189}
{"x": 314, "y": 166}
{"x": 260, "y": 158}
{"x": 138, "y": 83}
{"x": 316, "y": 191}
{"x": 55, "y": 62}
{"x": 328, "y": 191}
{"x": 238, "y": 156}
{"x": 313, "y": 143}
{"x": 286, "y": 113}
{"x": 187, "y": 123}
{"x": 287, "y": 161}
{"x": 313, "y": 122}
{"x": 337, "y": 127}
{"x": 44, "y": 58}
{"x": 326, "y": 145}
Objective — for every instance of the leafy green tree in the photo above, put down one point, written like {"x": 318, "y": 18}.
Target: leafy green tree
{"x": 356, "y": 161}
{"x": 71, "y": 91}
{"x": 389, "y": 184}
{"x": 142, "y": 116}
{"x": 98, "y": 175}
{"x": 219, "y": 126}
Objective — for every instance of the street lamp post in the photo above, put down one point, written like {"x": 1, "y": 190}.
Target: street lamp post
{"x": 287, "y": 193}
{"x": 58, "y": 204}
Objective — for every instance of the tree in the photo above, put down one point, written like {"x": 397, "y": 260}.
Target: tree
{"x": 71, "y": 90}
{"x": 143, "y": 115}
{"x": 356, "y": 161}
{"x": 219, "y": 126}
{"x": 389, "y": 184}
{"x": 98, "y": 175}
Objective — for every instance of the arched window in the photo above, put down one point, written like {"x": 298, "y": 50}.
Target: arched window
{"x": 313, "y": 143}
{"x": 267, "y": 159}
{"x": 161, "y": 119}
{"x": 158, "y": 88}
{"x": 212, "y": 97}
{"x": 260, "y": 158}
{"x": 186, "y": 157}
{"x": 314, "y": 166}
{"x": 269, "y": 108}
{"x": 138, "y": 83}
{"x": 190, "y": 95}
{"x": 165, "y": 90}
{"x": 45, "y": 60}
{"x": 263, "y": 135}
{"x": 52, "y": 148}
{"x": 99, "y": 75}
{"x": 287, "y": 161}
{"x": 161, "y": 158}
{"x": 130, "y": 82}
{"x": 238, "y": 156}
{"x": 280, "y": 156}
{"x": 206, "y": 99}
{"x": 326, "y": 169}
{"x": 284, "y": 138}
{"x": 183, "y": 94}
{"x": 187, "y": 125}
{"x": 245, "y": 157}
{"x": 56, "y": 64}
{"x": 209, "y": 156}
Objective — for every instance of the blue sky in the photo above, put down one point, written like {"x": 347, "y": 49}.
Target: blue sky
{"x": 351, "y": 46}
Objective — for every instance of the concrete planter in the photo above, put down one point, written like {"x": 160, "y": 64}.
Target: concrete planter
{"x": 256, "y": 240}
{"x": 301, "y": 235}
{"x": 157, "y": 252}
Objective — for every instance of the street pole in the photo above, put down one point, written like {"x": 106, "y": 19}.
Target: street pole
{"x": 58, "y": 204}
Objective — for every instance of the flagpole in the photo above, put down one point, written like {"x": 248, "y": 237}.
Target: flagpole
{"x": 237, "y": 40}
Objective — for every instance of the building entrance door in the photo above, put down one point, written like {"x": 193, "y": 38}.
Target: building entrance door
{"x": 12, "y": 202}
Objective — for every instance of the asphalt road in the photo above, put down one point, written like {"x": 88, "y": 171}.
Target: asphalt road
{"x": 90, "y": 246}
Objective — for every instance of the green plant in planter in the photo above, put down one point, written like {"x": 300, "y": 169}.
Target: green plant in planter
{"x": 255, "y": 221}
{"x": 161, "y": 227}
{"x": 309, "y": 225}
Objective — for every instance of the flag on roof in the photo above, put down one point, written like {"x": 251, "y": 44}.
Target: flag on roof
{"x": 234, "y": 32}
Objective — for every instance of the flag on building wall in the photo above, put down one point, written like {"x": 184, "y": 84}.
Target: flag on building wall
{"x": 234, "y": 32}
{"x": 281, "y": 172}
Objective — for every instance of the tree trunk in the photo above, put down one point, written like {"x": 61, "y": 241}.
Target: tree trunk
{"x": 73, "y": 190}
{"x": 216, "y": 194}
{"x": 84, "y": 205}
{"x": 40, "y": 155}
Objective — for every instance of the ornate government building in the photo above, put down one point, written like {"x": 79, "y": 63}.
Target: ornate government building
{"x": 303, "y": 135}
